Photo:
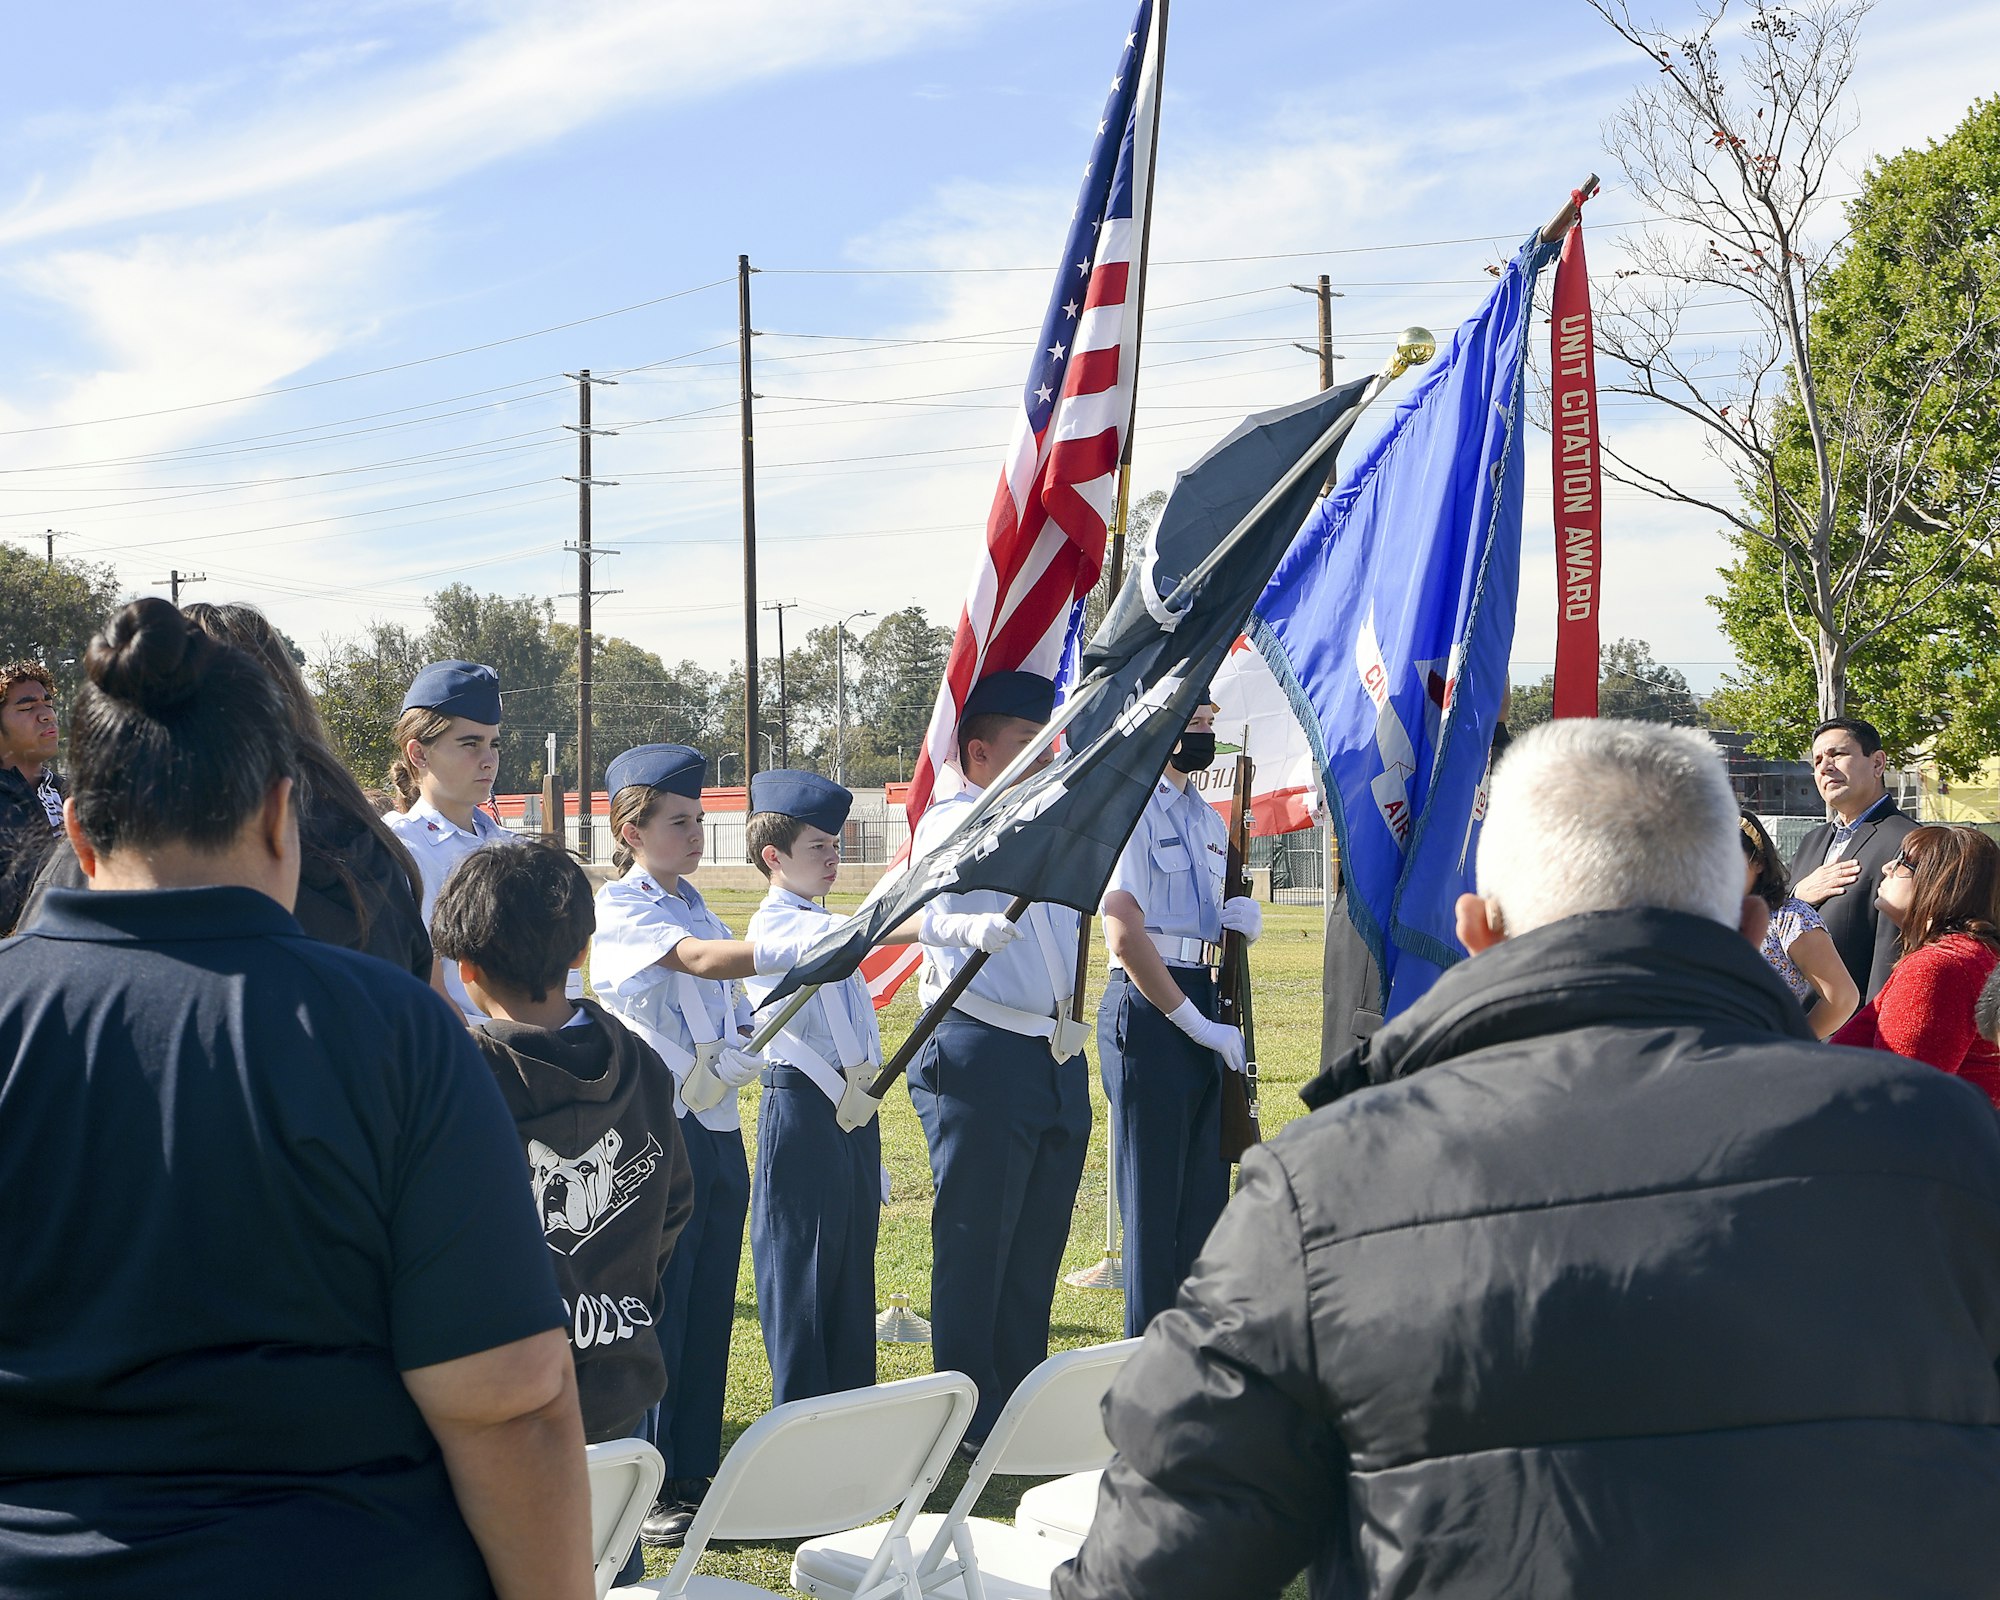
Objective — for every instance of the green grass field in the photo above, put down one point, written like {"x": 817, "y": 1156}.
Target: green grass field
{"x": 1286, "y": 964}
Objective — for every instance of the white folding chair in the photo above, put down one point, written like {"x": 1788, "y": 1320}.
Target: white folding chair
{"x": 625, "y": 1478}
{"x": 1051, "y": 1425}
{"x": 817, "y": 1466}
{"x": 1061, "y": 1509}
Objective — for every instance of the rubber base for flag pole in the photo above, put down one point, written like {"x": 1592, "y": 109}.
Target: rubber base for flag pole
{"x": 898, "y": 1324}
{"x": 1108, "y": 1273}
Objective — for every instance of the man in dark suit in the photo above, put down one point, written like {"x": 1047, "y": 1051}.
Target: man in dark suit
{"x": 1839, "y": 863}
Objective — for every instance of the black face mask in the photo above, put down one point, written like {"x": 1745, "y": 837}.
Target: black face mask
{"x": 1194, "y": 752}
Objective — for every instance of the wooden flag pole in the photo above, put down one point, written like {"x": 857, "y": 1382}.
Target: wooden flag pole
{"x": 1565, "y": 219}
{"x": 1116, "y": 565}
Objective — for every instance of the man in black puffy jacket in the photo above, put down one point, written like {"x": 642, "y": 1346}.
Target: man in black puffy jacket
{"x": 1592, "y": 1275}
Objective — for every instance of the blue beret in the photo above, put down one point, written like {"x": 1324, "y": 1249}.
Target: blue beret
{"x": 456, "y": 689}
{"x": 1012, "y": 694}
{"x": 672, "y": 767}
{"x": 806, "y": 795}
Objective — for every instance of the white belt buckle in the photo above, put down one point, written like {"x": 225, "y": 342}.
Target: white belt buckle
{"x": 857, "y": 1106}
{"x": 701, "y": 1089}
{"x": 1068, "y": 1036}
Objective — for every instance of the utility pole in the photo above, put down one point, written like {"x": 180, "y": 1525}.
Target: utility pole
{"x": 1326, "y": 294}
{"x": 840, "y": 694}
{"x": 584, "y": 484}
{"x": 784, "y": 705}
{"x": 51, "y": 535}
{"x": 175, "y": 579}
{"x": 744, "y": 335}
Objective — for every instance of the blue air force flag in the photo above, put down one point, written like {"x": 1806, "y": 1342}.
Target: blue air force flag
{"x": 1390, "y": 622}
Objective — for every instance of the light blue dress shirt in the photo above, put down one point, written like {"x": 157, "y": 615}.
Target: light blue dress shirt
{"x": 1036, "y": 973}
{"x": 1173, "y": 865}
{"x": 638, "y": 921}
{"x": 788, "y": 923}
{"x": 438, "y": 844}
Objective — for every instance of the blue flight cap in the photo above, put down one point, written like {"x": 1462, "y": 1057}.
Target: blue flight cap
{"x": 1012, "y": 694}
{"x": 457, "y": 689}
{"x": 672, "y": 767}
{"x": 817, "y": 801}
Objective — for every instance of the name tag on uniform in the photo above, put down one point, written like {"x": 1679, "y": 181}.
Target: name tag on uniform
{"x": 1170, "y": 855}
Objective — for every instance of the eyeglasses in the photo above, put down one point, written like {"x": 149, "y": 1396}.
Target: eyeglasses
{"x": 1905, "y": 864}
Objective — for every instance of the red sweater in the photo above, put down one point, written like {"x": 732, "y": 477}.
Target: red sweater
{"x": 1925, "y": 1012}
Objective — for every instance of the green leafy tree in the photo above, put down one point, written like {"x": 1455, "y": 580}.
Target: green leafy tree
{"x": 636, "y": 698}
{"x": 1908, "y": 334}
{"x": 1832, "y": 429}
{"x": 360, "y": 685}
{"x": 901, "y": 665}
{"x": 1630, "y": 685}
{"x": 48, "y": 613}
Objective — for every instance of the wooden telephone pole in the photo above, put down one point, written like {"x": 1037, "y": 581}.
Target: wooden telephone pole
{"x": 1325, "y": 293}
{"x": 174, "y": 580}
{"x": 744, "y": 334}
{"x": 784, "y": 704}
{"x": 584, "y": 484}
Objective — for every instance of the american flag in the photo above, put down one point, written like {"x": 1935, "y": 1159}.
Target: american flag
{"x": 1058, "y": 488}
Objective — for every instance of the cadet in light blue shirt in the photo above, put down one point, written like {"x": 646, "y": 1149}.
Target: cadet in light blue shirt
{"x": 666, "y": 966}
{"x": 447, "y": 756}
{"x": 1160, "y": 1050}
{"x": 1000, "y": 1088}
{"x": 816, "y": 1207}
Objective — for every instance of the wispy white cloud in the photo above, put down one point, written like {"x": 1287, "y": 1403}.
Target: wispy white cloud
{"x": 532, "y": 77}
{"x": 166, "y": 316}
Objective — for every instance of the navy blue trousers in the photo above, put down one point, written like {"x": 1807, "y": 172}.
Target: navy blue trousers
{"x": 1007, "y": 1127}
{"x": 814, "y": 1215}
{"x": 700, "y": 1293}
{"x": 1166, "y": 1112}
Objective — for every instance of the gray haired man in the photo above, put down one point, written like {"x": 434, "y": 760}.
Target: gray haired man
{"x": 1593, "y": 1275}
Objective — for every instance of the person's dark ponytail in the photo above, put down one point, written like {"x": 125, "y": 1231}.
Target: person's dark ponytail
{"x": 175, "y": 736}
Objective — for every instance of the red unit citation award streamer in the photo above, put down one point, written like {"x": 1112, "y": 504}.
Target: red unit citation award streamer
{"x": 1578, "y": 497}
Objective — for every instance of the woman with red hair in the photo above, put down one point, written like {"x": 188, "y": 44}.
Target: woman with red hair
{"x": 1943, "y": 893}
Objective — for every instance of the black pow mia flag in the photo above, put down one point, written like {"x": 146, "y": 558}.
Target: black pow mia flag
{"x": 1055, "y": 836}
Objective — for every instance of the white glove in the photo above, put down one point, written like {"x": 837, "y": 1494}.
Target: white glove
{"x": 1241, "y": 914}
{"x": 977, "y": 930}
{"x": 1224, "y": 1040}
{"x": 737, "y": 1067}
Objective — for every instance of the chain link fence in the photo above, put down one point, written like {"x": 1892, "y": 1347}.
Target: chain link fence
{"x": 1297, "y": 863}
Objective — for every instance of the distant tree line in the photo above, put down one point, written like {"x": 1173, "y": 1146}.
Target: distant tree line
{"x": 50, "y": 609}
{"x": 637, "y": 697}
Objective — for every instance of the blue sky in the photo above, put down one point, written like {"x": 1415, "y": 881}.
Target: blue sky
{"x": 200, "y": 204}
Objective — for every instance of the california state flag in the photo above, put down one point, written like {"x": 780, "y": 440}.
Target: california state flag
{"x": 1255, "y": 717}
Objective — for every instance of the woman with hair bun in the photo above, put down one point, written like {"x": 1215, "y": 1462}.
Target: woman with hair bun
{"x": 284, "y": 1290}
{"x": 1943, "y": 894}
{"x": 358, "y": 886}
{"x": 447, "y": 756}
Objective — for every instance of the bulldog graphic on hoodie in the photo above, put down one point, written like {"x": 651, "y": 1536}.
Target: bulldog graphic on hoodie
{"x": 595, "y": 1110}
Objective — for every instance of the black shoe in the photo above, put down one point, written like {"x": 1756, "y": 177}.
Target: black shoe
{"x": 968, "y": 1450}
{"x": 666, "y": 1526}
{"x": 688, "y": 1491}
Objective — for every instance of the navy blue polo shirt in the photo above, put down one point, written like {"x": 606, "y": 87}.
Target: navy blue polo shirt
{"x": 253, "y": 1178}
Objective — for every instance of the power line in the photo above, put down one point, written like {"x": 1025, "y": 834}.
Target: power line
{"x": 372, "y": 372}
{"x": 1193, "y": 261}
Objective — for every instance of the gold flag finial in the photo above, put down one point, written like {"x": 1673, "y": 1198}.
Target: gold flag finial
{"x": 1414, "y": 346}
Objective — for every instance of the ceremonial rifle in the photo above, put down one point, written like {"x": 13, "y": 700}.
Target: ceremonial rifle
{"x": 1239, "y": 1089}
